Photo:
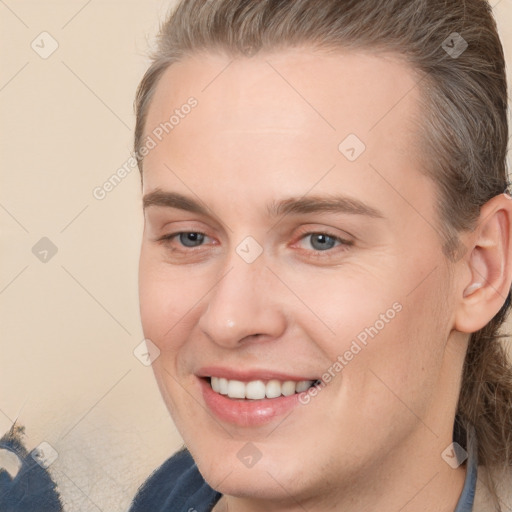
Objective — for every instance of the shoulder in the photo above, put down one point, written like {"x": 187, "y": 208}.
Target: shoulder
{"x": 484, "y": 501}
{"x": 175, "y": 486}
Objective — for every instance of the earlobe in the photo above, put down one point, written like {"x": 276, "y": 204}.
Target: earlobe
{"x": 490, "y": 266}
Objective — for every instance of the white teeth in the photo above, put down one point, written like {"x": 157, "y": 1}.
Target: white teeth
{"x": 223, "y": 386}
{"x": 215, "y": 384}
{"x": 303, "y": 385}
{"x": 257, "y": 389}
{"x": 236, "y": 389}
{"x": 288, "y": 387}
{"x": 273, "y": 389}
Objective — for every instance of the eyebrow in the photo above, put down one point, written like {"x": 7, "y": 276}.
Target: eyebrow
{"x": 290, "y": 206}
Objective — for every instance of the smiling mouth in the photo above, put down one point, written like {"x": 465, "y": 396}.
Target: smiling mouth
{"x": 258, "y": 389}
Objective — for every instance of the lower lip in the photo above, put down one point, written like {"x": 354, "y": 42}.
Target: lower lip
{"x": 247, "y": 413}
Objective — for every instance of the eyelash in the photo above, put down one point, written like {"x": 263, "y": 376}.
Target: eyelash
{"x": 342, "y": 243}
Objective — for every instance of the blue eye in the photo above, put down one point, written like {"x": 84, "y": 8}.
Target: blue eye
{"x": 191, "y": 239}
{"x": 322, "y": 241}
{"x": 319, "y": 244}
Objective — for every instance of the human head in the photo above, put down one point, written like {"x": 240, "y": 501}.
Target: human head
{"x": 462, "y": 150}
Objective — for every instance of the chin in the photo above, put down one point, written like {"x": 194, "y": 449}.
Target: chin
{"x": 272, "y": 476}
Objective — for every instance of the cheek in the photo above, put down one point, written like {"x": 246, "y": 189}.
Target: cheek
{"x": 404, "y": 358}
{"x": 167, "y": 300}
{"x": 382, "y": 327}
{"x": 155, "y": 304}
{"x": 341, "y": 306}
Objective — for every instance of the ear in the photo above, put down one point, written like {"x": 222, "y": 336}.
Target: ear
{"x": 487, "y": 267}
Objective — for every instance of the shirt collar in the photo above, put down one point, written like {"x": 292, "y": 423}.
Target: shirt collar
{"x": 467, "y": 497}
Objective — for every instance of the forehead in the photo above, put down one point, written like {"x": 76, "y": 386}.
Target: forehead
{"x": 286, "y": 113}
{"x": 283, "y": 92}
{"x": 306, "y": 85}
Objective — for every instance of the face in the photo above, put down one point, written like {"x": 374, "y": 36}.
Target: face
{"x": 290, "y": 237}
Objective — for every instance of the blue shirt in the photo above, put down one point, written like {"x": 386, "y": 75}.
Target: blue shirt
{"x": 177, "y": 486}
{"x": 467, "y": 496}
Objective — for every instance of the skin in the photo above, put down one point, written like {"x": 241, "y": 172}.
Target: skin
{"x": 265, "y": 129}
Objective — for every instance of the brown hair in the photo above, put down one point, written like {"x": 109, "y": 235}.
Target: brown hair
{"x": 464, "y": 130}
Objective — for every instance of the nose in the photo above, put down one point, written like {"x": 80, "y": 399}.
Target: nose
{"x": 244, "y": 305}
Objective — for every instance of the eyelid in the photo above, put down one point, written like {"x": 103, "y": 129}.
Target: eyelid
{"x": 344, "y": 237}
{"x": 175, "y": 234}
{"x": 176, "y": 227}
{"x": 343, "y": 243}
{"x": 328, "y": 255}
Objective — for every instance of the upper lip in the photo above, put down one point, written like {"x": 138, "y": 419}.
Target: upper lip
{"x": 248, "y": 375}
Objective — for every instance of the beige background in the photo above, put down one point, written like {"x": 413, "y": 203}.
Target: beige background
{"x": 70, "y": 324}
